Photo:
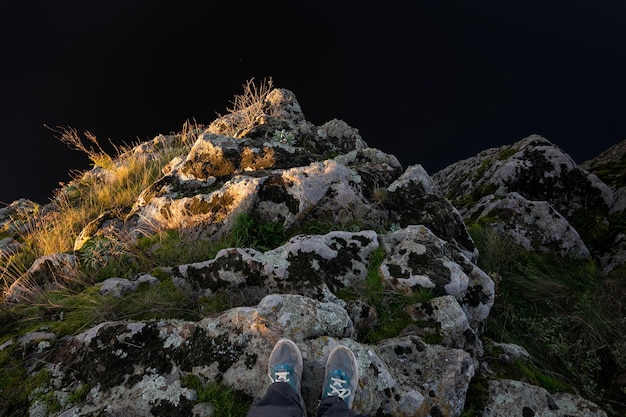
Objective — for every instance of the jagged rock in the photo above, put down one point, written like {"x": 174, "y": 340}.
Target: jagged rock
{"x": 609, "y": 167}
{"x": 306, "y": 264}
{"x": 415, "y": 199}
{"x": 518, "y": 399}
{"x": 51, "y": 272}
{"x": 319, "y": 266}
{"x": 443, "y": 321}
{"x": 14, "y": 218}
{"x": 509, "y": 352}
{"x": 418, "y": 259}
{"x": 106, "y": 225}
{"x": 535, "y": 168}
{"x": 271, "y": 164}
{"x": 534, "y": 225}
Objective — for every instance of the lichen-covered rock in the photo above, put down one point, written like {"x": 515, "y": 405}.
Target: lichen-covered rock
{"x": 417, "y": 259}
{"x": 15, "y": 215}
{"x": 533, "y": 167}
{"x": 442, "y": 321}
{"x": 107, "y": 225}
{"x": 533, "y": 225}
{"x": 323, "y": 190}
{"x": 517, "y": 399}
{"x": 391, "y": 226}
{"x": 609, "y": 167}
{"x": 306, "y": 264}
{"x": 440, "y": 376}
{"x": 539, "y": 171}
{"x": 415, "y": 199}
{"x": 136, "y": 368}
{"x": 117, "y": 287}
{"x": 51, "y": 272}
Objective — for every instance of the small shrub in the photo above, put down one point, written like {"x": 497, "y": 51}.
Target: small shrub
{"x": 247, "y": 108}
{"x": 283, "y": 136}
{"x": 70, "y": 137}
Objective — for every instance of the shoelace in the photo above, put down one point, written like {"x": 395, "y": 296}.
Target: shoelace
{"x": 280, "y": 376}
{"x": 336, "y": 388}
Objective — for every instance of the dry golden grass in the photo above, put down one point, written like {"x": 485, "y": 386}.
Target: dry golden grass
{"x": 115, "y": 183}
{"x": 247, "y": 108}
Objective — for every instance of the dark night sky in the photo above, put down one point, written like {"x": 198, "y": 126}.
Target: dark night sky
{"x": 431, "y": 82}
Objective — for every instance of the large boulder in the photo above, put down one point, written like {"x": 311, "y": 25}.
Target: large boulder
{"x": 518, "y": 399}
{"x": 533, "y": 225}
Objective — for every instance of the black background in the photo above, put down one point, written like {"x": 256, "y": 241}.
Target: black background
{"x": 431, "y": 82}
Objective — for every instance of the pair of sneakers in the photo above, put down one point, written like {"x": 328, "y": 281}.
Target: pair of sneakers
{"x": 340, "y": 379}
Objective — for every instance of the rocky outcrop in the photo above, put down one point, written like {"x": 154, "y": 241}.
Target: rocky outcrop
{"x": 517, "y": 398}
{"x": 533, "y": 192}
{"x": 399, "y": 258}
{"x": 609, "y": 167}
{"x": 135, "y": 367}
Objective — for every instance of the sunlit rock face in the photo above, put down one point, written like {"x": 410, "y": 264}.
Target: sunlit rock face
{"x": 395, "y": 279}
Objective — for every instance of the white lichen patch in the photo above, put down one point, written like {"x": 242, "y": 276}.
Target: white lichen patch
{"x": 43, "y": 345}
{"x": 458, "y": 279}
{"x": 156, "y": 388}
{"x": 120, "y": 353}
{"x": 174, "y": 333}
{"x": 133, "y": 328}
{"x": 88, "y": 335}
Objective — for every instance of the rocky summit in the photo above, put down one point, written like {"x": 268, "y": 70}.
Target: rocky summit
{"x": 375, "y": 256}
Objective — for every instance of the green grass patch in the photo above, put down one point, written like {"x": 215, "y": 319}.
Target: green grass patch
{"x": 559, "y": 310}
{"x": 391, "y": 317}
{"x": 226, "y": 401}
{"x": 249, "y": 232}
{"x": 69, "y": 313}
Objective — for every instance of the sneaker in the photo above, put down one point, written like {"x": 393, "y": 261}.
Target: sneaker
{"x": 342, "y": 375}
{"x": 285, "y": 364}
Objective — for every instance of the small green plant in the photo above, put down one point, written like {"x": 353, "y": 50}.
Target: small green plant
{"x": 226, "y": 401}
{"x": 283, "y": 136}
{"x": 389, "y": 305}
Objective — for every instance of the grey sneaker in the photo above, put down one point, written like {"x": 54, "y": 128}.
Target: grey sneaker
{"x": 342, "y": 375}
{"x": 285, "y": 365}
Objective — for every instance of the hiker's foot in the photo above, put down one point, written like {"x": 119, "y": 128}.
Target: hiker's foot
{"x": 342, "y": 375}
{"x": 285, "y": 364}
